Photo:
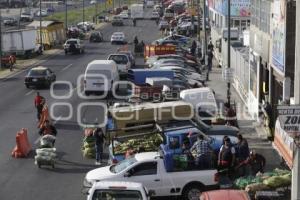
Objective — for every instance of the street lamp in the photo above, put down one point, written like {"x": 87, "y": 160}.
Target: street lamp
{"x": 83, "y": 13}
{"x": 228, "y": 50}
{"x": 41, "y": 40}
{"x": 66, "y": 14}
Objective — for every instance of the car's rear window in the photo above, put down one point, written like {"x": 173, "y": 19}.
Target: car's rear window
{"x": 119, "y": 59}
{"x": 71, "y": 42}
{"x": 37, "y": 73}
{"x": 110, "y": 194}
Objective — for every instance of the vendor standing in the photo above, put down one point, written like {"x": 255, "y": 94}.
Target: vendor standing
{"x": 226, "y": 158}
{"x": 203, "y": 151}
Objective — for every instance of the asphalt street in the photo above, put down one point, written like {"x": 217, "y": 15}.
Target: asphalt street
{"x": 21, "y": 179}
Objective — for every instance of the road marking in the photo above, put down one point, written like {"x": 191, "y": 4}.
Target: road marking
{"x": 66, "y": 67}
{"x": 28, "y": 93}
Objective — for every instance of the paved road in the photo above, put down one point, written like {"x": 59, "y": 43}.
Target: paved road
{"x": 20, "y": 178}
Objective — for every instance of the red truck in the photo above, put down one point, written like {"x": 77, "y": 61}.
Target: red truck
{"x": 153, "y": 50}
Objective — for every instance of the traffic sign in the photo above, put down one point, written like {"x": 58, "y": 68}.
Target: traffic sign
{"x": 289, "y": 116}
{"x": 228, "y": 74}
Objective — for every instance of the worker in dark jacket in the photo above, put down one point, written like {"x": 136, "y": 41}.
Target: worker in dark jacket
{"x": 100, "y": 139}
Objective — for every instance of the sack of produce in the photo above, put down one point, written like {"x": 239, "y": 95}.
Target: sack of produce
{"x": 43, "y": 158}
{"x": 242, "y": 182}
{"x": 89, "y": 139}
{"x": 46, "y": 152}
{"x": 281, "y": 171}
{"x": 47, "y": 140}
{"x": 277, "y": 181}
{"x": 89, "y": 145}
{"x": 252, "y": 188}
{"x": 89, "y": 153}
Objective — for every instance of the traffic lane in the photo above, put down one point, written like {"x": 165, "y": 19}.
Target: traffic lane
{"x": 69, "y": 139}
{"x": 65, "y": 134}
{"x": 11, "y": 104}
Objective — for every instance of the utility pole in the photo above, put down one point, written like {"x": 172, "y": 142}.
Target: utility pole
{"x": 83, "y": 15}
{"x": 204, "y": 28}
{"x": 41, "y": 39}
{"x": 66, "y": 15}
{"x": 296, "y": 159}
{"x": 0, "y": 39}
{"x": 198, "y": 27}
{"x": 228, "y": 50}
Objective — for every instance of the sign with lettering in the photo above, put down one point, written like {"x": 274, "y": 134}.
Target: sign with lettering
{"x": 289, "y": 116}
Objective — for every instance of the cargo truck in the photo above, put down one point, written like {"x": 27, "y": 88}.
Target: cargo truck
{"x": 137, "y": 11}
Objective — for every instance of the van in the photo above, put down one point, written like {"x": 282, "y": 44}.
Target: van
{"x": 95, "y": 73}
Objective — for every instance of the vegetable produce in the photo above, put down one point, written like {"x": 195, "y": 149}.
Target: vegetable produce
{"x": 145, "y": 143}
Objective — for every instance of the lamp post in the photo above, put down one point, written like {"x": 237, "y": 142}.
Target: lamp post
{"x": 66, "y": 15}
{"x": 41, "y": 39}
{"x": 228, "y": 51}
{"x": 83, "y": 15}
{"x": 0, "y": 39}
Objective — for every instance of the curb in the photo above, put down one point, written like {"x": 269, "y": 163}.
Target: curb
{"x": 17, "y": 70}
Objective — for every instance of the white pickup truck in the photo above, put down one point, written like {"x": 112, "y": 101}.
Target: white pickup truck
{"x": 117, "y": 190}
{"x": 149, "y": 169}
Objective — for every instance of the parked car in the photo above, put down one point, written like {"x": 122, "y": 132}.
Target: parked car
{"x": 225, "y": 195}
{"x": 93, "y": 2}
{"x": 27, "y": 16}
{"x": 163, "y": 24}
{"x": 96, "y": 37}
{"x": 50, "y": 10}
{"x": 130, "y": 56}
{"x": 9, "y": 21}
{"x": 118, "y": 37}
{"x": 39, "y": 76}
{"x": 86, "y": 26}
{"x": 154, "y": 15}
{"x": 42, "y": 13}
{"x": 73, "y": 46}
{"x": 117, "y": 21}
{"x": 118, "y": 190}
{"x": 122, "y": 60}
{"x": 150, "y": 169}
{"x": 124, "y": 14}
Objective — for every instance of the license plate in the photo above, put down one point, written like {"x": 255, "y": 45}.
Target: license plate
{"x": 34, "y": 80}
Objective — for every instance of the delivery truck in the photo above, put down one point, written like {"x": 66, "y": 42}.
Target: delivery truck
{"x": 19, "y": 42}
{"x": 137, "y": 11}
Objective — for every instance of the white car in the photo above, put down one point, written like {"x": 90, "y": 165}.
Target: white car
{"x": 154, "y": 15}
{"x": 187, "y": 73}
{"x": 118, "y": 37}
{"x": 118, "y": 189}
{"x": 93, "y": 2}
{"x": 122, "y": 60}
{"x": 124, "y": 15}
{"x": 42, "y": 13}
{"x": 150, "y": 170}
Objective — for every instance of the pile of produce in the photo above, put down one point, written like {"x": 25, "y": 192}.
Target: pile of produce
{"x": 88, "y": 147}
{"x": 270, "y": 180}
{"x": 144, "y": 143}
{"x": 45, "y": 155}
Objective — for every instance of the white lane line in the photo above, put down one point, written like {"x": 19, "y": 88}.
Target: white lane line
{"x": 28, "y": 93}
{"x": 38, "y": 139}
{"x": 66, "y": 67}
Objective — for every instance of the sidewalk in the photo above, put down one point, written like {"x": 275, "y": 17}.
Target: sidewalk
{"x": 248, "y": 128}
{"x": 24, "y": 64}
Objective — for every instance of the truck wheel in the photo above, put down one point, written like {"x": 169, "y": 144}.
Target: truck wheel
{"x": 27, "y": 86}
{"x": 66, "y": 52}
{"x": 192, "y": 192}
